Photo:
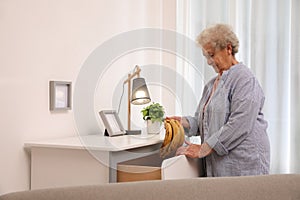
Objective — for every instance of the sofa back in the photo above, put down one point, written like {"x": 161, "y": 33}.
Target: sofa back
{"x": 271, "y": 187}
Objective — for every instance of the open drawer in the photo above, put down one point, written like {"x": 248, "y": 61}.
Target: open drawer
{"x": 155, "y": 168}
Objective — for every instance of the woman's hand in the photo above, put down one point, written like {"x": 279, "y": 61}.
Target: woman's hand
{"x": 194, "y": 150}
{"x": 184, "y": 122}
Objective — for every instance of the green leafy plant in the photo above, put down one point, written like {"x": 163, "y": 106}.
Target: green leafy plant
{"x": 153, "y": 112}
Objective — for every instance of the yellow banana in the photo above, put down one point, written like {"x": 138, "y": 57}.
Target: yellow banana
{"x": 181, "y": 134}
{"x": 164, "y": 150}
{"x": 174, "y": 137}
{"x": 168, "y": 135}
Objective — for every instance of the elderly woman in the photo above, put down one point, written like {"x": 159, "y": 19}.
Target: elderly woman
{"x": 229, "y": 117}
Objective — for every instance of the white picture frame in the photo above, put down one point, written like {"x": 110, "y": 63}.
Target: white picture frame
{"x": 60, "y": 93}
{"x": 112, "y": 122}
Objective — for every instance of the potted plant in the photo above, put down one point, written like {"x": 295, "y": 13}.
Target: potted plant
{"x": 154, "y": 115}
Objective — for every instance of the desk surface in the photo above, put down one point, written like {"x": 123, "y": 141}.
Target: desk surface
{"x": 99, "y": 142}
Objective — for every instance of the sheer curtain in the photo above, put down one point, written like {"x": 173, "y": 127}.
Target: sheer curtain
{"x": 269, "y": 44}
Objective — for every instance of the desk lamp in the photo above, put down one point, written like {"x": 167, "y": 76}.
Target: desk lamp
{"x": 140, "y": 95}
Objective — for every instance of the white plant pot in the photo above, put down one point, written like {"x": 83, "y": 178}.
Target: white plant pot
{"x": 153, "y": 127}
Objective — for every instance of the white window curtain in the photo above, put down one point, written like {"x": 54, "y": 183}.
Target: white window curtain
{"x": 269, "y": 37}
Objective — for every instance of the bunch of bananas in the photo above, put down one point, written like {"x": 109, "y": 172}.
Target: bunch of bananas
{"x": 174, "y": 137}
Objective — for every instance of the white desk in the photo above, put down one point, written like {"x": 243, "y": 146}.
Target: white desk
{"x": 85, "y": 160}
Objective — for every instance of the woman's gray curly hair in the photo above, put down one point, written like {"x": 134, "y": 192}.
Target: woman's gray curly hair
{"x": 219, "y": 36}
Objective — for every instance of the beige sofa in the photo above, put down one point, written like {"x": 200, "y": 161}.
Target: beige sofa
{"x": 270, "y": 187}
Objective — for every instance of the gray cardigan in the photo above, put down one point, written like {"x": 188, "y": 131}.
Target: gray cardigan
{"x": 233, "y": 125}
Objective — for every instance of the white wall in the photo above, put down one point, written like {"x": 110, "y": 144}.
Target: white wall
{"x": 44, "y": 40}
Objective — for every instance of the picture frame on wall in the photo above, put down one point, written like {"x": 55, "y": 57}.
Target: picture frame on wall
{"x": 60, "y": 93}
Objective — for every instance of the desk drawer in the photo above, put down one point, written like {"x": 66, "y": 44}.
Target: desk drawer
{"x": 140, "y": 169}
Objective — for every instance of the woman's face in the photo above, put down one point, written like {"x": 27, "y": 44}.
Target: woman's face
{"x": 220, "y": 60}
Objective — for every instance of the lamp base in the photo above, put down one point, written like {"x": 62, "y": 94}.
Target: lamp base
{"x": 133, "y": 132}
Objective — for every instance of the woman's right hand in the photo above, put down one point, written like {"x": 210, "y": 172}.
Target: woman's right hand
{"x": 184, "y": 122}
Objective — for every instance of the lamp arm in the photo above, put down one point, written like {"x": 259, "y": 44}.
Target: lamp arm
{"x": 136, "y": 72}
